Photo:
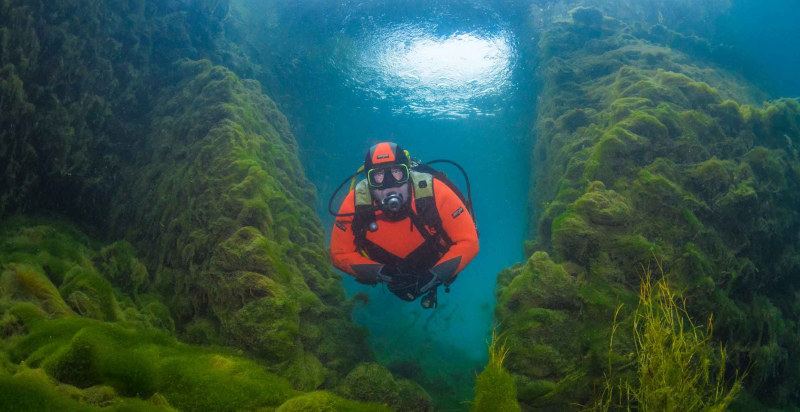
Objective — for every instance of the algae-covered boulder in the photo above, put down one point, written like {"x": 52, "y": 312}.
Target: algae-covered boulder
{"x": 50, "y": 264}
{"x": 106, "y": 349}
{"x": 326, "y": 401}
{"x": 645, "y": 155}
{"x": 495, "y": 389}
{"x": 552, "y": 313}
{"x": 54, "y": 356}
{"x": 371, "y": 382}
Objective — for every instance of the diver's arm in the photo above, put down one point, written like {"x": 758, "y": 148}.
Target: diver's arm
{"x": 458, "y": 224}
{"x": 343, "y": 248}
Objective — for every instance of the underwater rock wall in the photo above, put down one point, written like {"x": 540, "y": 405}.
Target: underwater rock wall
{"x": 81, "y": 331}
{"x": 217, "y": 199}
{"x": 647, "y": 154}
{"x": 77, "y": 80}
{"x": 117, "y": 116}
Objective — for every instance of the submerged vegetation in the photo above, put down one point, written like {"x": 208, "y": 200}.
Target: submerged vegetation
{"x": 494, "y": 387}
{"x": 74, "y": 339}
{"x": 676, "y": 366}
{"x": 181, "y": 265}
{"x": 644, "y": 152}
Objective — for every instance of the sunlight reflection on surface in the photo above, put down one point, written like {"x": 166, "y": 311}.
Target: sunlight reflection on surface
{"x": 454, "y": 75}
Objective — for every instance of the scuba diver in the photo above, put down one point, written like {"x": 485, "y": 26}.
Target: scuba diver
{"x": 406, "y": 225}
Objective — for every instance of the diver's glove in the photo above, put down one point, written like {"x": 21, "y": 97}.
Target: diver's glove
{"x": 371, "y": 274}
{"x": 438, "y": 279}
{"x": 387, "y": 273}
{"x": 443, "y": 273}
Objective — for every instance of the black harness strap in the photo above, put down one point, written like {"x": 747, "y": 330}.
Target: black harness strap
{"x": 364, "y": 215}
{"x": 425, "y": 255}
{"x": 380, "y": 254}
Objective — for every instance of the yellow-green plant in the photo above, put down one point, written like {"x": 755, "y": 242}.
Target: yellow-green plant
{"x": 677, "y": 366}
{"x": 495, "y": 389}
{"x": 497, "y": 350}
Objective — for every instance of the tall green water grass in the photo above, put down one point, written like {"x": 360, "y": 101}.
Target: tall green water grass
{"x": 676, "y": 366}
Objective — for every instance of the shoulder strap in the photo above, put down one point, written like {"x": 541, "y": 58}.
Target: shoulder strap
{"x": 364, "y": 214}
{"x": 442, "y": 176}
{"x": 362, "y": 195}
{"x": 423, "y": 184}
{"x": 427, "y": 213}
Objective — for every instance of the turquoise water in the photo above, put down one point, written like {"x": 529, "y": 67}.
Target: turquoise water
{"x": 456, "y": 80}
{"x": 766, "y": 36}
{"x": 92, "y": 91}
{"x": 445, "y": 81}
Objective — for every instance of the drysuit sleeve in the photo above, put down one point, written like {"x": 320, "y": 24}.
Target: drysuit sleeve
{"x": 344, "y": 254}
{"x": 458, "y": 224}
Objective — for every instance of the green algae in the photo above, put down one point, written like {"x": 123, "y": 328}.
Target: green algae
{"x": 244, "y": 249}
{"x": 191, "y": 174}
{"x": 140, "y": 364}
{"x": 495, "y": 389}
{"x": 371, "y": 382}
{"x": 119, "y": 263}
{"x": 642, "y": 154}
{"x": 676, "y": 365}
{"x": 54, "y": 357}
{"x": 326, "y": 401}
{"x": 33, "y": 390}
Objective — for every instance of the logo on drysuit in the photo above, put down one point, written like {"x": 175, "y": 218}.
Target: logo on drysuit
{"x": 458, "y": 211}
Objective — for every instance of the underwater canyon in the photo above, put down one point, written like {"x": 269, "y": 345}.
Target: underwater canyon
{"x": 167, "y": 166}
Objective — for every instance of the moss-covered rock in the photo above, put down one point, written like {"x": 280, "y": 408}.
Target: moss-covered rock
{"x": 371, "y": 382}
{"x": 53, "y": 357}
{"x": 495, "y": 389}
{"x": 644, "y": 154}
{"x": 233, "y": 228}
{"x": 326, "y": 401}
{"x": 140, "y": 364}
{"x": 116, "y": 350}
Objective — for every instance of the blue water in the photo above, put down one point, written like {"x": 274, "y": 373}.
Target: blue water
{"x": 444, "y": 80}
{"x": 766, "y": 35}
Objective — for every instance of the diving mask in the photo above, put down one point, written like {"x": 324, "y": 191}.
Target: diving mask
{"x": 388, "y": 176}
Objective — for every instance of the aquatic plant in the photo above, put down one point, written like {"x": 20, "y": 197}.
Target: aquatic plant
{"x": 676, "y": 365}
{"x": 644, "y": 152}
{"x": 57, "y": 354}
{"x": 371, "y": 382}
{"x": 230, "y": 218}
{"x": 494, "y": 388}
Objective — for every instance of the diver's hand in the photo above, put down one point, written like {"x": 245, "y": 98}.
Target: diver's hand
{"x": 387, "y": 273}
{"x": 437, "y": 280}
{"x": 372, "y": 274}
